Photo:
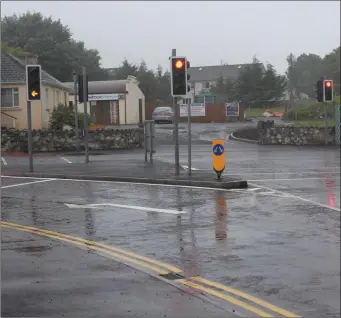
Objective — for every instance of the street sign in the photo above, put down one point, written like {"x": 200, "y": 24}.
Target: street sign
{"x": 218, "y": 157}
{"x": 232, "y": 109}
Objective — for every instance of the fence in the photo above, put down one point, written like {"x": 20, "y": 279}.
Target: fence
{"x": 213, "y": 113}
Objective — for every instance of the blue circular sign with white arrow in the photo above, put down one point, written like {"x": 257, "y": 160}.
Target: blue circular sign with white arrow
{"x": 218, "y": 149}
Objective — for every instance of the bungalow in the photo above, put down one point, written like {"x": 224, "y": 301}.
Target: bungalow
{"x": 13, "y": 94}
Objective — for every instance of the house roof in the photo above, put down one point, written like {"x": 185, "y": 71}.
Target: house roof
{"x": 103, "y": 87}
{"x": 212, "y": 73}
{"x": 13, "y": 71}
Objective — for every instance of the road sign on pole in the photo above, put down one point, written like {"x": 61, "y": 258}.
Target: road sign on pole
{"x": 218, "y": 157}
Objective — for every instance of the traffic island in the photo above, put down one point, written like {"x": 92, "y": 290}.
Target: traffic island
{"x": 132, "y": 171}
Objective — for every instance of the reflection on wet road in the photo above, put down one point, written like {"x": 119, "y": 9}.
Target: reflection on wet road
{"x": 263, "y": 242}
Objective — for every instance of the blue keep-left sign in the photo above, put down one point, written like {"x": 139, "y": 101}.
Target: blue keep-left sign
{"x": 218, "y": 149}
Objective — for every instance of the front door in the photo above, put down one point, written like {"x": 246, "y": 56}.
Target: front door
{"x": 102, "y": 113}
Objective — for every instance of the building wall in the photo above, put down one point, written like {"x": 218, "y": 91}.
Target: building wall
{"x": 40, "y": 110}
{"x": 80, "y": 106}
{"x": 133, "y": 96}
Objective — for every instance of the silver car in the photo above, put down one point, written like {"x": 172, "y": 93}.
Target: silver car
{"x": 163, "y": 114}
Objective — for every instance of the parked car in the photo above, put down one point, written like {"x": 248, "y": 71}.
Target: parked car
{"x": 163, "y": 114}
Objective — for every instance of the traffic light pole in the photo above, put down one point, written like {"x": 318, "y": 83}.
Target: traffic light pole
{"x": 86, "y": 125}
{"x": 176, "y": 129}
{"x": 76, "y": 109}
{"x": 325, "y": 123}
{"x": 29, "y": 136}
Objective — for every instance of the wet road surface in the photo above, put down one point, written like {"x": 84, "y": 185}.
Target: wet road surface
{"x": 280, "y": 246}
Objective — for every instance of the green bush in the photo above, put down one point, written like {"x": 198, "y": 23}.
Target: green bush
{"x": 309, "y": 112}
{"x": 65, "y": 115}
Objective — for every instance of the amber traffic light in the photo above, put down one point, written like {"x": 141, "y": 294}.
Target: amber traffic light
{"x": 33, "y": 82}
{"x": 179, "y": 76}
{"x": 327, "y": 90}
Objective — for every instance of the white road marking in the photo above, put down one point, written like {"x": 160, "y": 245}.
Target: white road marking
{"x": 63, "y": 158}
{"x": 186, "y": 168}
{"x": 288, "y": 179}
{"x": 128, "y": 183}
{"x": 297, "y": 197}
{"x": 4, "y": 161}
{"x": 17, "y": 177}
{"x": 141, "y": 208}
{"x": 26, "y": 183}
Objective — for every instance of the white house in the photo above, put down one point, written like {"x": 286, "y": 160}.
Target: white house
{"x": 113, "y": 102}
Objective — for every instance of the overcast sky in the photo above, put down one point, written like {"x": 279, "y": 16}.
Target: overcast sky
{"x": 206, "y": 32}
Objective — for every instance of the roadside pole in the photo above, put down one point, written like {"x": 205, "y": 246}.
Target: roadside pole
{"x": 189, "y": 139}
{"x": 76, "y": 109}
{"x": 176, "y": 129}
{"x": 29, "y": 136}
{"x": 86, "y": 128}
{"x": 325, "y": 123}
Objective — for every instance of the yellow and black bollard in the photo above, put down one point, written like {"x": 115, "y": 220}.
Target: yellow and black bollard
{"x": 218, "y": 157}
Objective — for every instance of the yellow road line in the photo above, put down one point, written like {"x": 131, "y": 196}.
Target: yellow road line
{"x": 246, "y": 296}
{"x": 95, "y": 248}
{"x": 93, "y": 243}
{"x": 110, "y": 251}
{"x": 230, "y": 299}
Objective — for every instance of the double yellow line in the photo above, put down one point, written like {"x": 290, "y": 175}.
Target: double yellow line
{"x": 201, "y": 284}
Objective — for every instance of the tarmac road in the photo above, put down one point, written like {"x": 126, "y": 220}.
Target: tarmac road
{"x": 280, "y": 249}
{"x": 278, "y": 241}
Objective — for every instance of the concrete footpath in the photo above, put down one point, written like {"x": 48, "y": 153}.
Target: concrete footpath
{"x": 127, "y": 170}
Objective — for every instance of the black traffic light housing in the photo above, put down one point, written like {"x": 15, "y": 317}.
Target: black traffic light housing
{"x": 81, "y": 89}
{"x": 33, "y": 82}
{"x": 179, "y": 76}
{"x": 319, "y": 91}
{"x": 328, "y": 91}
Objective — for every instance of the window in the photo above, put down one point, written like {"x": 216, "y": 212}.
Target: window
{"x": 65, "y": 101}
{"x": 9, "y": 97}
{"x": 207, "y": 85}
{"x": 58, "y": 97}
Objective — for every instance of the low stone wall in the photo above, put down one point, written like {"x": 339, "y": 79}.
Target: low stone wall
{"x": 289, "y": 135}
{"x": 50, "y": 141}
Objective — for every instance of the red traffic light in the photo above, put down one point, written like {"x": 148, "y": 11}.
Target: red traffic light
{"x": 328, "y": 83}
{"x": 179, "y": 64}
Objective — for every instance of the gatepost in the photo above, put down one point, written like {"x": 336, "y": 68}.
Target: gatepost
{"x": 218, "y": 157}
{"x": 149, "y": 136}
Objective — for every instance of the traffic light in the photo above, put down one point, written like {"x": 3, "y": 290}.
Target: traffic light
{"x": 81, "y": 89}
{"x": 319, "y": 91}
{"x": 328, "y": 90}
{"x": 179, "y": 76}
{"x": 33, "y": 82}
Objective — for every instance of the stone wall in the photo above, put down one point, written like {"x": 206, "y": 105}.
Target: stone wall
{"x": 290, "y": 135}
{"x": 49, "y": 141}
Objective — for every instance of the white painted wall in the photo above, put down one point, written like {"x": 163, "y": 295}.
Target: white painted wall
{"x": 133, "y": 96}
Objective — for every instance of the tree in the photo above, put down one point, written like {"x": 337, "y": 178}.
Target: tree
{"x": 304, "y": 71}
{"x": 52, "y": 42}
{"x": 273, "y": 85}
{"x": 331, "y": 68}
{"x": 257, "y": 83}
{"x": 292, "y": 75}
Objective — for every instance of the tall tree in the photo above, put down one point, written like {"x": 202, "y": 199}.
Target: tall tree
{"x": 52, "y": 42}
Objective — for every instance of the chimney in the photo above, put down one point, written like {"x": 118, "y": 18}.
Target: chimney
{"x": 31, "y": 59}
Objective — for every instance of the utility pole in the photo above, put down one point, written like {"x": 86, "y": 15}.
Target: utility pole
{"x": 176, "y": 129}
{"x": 76, "y": 109}
{"x": 86, "y": 128}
